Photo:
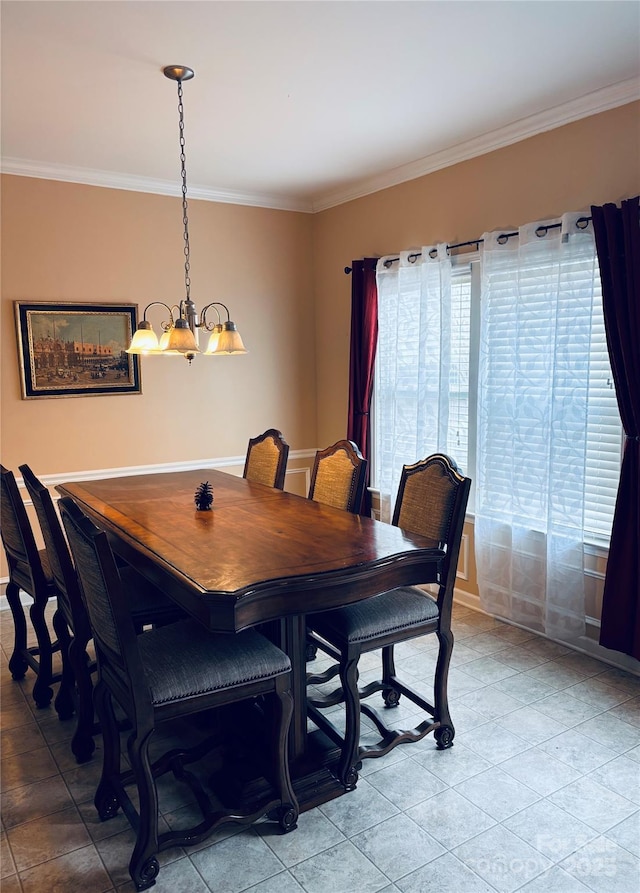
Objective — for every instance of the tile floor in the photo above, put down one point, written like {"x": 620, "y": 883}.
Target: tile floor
{"x": 541, "y": 792}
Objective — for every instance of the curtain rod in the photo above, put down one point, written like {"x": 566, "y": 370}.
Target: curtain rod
{"x": 541, "y": 231}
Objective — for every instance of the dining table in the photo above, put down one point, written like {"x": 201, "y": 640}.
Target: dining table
{"x": 260, "y": 557}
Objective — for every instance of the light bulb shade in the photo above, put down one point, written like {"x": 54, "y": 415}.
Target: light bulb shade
{"x": 163, "y": 347}
{"x": 181, "y": 338}
{"x": 214, "y": 338}
{"x": 230, "y": 340}
{"x": 144, "y": 339}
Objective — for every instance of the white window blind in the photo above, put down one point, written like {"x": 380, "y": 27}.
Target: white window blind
{"x": 409, "y": 374}
{"x": 458, "y": 428}
{"x": 604, "y": 433}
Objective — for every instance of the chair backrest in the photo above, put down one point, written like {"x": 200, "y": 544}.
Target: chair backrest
{"x": 62, "y": 569}
{"x": 432, "y": 501}
{"x": 338, "y": 476}
{"x": 113, "y": 630}
{"x": 17, "y": 536}
{"x": 266, "y": 461}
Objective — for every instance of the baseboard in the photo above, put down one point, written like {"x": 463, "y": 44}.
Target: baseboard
{"x": 583, "y": 644}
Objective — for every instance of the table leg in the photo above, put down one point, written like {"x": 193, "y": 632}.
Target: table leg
{"x": 294, "y": 633}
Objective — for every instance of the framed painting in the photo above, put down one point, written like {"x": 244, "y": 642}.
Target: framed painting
{"x": 76, "y": 350}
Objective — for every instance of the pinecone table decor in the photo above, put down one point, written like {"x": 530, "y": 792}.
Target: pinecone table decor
{"x": 203, "y": 497}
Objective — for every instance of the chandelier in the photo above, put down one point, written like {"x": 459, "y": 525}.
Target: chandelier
{"x": 180, "y": 327}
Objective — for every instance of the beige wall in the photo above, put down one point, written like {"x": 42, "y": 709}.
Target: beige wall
{"x": 79, "y": 243}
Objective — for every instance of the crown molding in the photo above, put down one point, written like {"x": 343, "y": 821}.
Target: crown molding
{"x": 618, "y": 94}
{"x": 109, "y": 180}
{"x": 590, "y": 104}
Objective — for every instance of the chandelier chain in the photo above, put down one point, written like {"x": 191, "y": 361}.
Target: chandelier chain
{"x": 185, "y": 216}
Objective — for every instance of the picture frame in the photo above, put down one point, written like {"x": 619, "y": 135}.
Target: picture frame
{"x": 69, "y": 349}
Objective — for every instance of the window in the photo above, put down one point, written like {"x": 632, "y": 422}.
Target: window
{"x": 427, "y": 369}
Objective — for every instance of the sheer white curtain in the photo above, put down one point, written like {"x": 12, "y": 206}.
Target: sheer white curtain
{"x": 536, "y": 316}
{"x": 413, "y": 363}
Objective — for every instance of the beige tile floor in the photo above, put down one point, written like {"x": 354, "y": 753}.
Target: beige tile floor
{"x": 540, "y": 793}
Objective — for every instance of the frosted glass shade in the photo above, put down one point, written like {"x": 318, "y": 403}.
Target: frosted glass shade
{"x": 163, "y": 348}
{"x": 181, "y": 338}
{"x": 144, "y": 339}
{"x": 229, "y": 340}
{"x": 214, "y": 338}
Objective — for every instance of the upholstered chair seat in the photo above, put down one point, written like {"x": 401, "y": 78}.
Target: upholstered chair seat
{"x": 184, "y": 661}
{"x": 398, "y": 609}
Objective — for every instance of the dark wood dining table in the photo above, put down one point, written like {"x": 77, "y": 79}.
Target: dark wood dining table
{"x": 259, "y": 556}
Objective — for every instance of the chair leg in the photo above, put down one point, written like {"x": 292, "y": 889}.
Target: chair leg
{"x": 42, "y": 691}
{"x": 143, "y": 866}
{"x": 445, "y": 733}
{"x": 82, "y": 743}
{"x": 18, "y": 663}
{"x": 390, "y": 694}
{"x": 288, "y": 811}
{"x": 64, "y": 702}
{"x": 106, "y": 798}
{"x": 349, "y": 764}
{"x": 310, "y": 651}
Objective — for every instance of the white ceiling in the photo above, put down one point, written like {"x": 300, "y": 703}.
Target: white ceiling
{"x": 299, "y": 104}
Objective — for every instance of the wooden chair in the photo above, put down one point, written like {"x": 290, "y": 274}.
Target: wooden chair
{"x": 432, "y": 500}
{"x": 170, "y": 672}
{"x": 29, "y": 571}
{"x": 148, "y": 606}
{"x": 337, "y": 479}
{"x": 338, "y": 476}
{"x": 266, "y": 461}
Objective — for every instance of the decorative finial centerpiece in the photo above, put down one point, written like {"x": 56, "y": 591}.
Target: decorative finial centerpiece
{"x": 203, "y": 497}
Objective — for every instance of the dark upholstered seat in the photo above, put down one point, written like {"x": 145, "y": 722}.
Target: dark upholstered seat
{"x": 237, "y": 660}
{"x": 170, "y": 672}
{"x": 29, "y": 571}
{"x": 148, "y": 606}
{"x": 266, "y": 461}
{"x": 432, "y": 500}
{"x": 398, "y": 609}
{"x": 338, "y": 476}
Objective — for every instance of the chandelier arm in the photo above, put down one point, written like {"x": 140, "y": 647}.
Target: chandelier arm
{"x": 161, "y": 304}
{"x": 203, "y": 318}
{"x": 203, "y": 314}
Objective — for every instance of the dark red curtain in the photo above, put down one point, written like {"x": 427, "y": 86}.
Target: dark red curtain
{"x": 617, "y": 234}
{"x": 364, "y": 340}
